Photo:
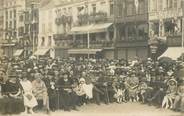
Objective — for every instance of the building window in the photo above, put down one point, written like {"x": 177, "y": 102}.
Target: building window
{"x": 169, "y": 27}
{"x": 131, "y": 31}
{"x": 10, "y": 24}
{"x": 141, "y": 6}
{"x": 43, "y": 41}
{"x": 26, "y": 28}
{"x": 15, "y": 13}
{"x": 27, "y": 16}
{"x": 10, "y": 14}
{"x": 160, "y": 4}
{"x": 49, "y": 40}
{"x": 20, "y": 31}
{"x": 143, "y": 31}
{"x": 6, "y": 24}
{"x": 169, "y": 3}
{"x": 6, "y": 15}
{"x": 175, "y": 3}
{"x": 111, "y": 8}
{"x": 15, "y": 24}
{"x": 21, "y": 18}
{"x": 120, "y": 9}
{"x": 130, "y": 9}
{"x": 94, "y": 8}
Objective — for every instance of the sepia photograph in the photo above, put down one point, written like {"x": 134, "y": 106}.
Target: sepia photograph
{"x": 91, "y": 57}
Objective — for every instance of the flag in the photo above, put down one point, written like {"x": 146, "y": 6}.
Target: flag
{"x": 136, "y": 2}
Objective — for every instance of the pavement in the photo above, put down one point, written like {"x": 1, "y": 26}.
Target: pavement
{"x": 125, "y": 109}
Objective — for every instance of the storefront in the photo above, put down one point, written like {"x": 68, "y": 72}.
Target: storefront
{"x": 91, "y": 41}
{"x": 8, "y": 49}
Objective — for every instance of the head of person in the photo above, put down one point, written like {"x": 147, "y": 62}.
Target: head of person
{"x": 24, "y": 76}
{"x": 65, "y": 77}
{"x": 13, "y": 78}
{"x": 2, "y": 76}
{"x": 82, "y": 81}
{"x": 38, "y": 77}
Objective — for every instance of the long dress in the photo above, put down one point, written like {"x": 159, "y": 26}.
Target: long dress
{"x": 8, "y": 102}
{"x": 29, "y": 99}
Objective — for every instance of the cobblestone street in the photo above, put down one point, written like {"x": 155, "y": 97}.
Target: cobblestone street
{"x": 128, "y": 109}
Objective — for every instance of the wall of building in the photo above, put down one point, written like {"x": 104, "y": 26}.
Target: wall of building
{"x": 47, "y": 27}
{"x": 56, "y": 9}
{"x": 165, "y": 20}
{"x": 11, "y": 13}
{"x": 132, "y": 29}
{"x": 1, "y": 25}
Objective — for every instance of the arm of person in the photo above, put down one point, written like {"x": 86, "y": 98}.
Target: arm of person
{"x": 17, "y": 94}
{"x": 179, "y": 91}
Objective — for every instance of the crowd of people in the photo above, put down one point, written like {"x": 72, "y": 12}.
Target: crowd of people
{"x": 46, "y": 84}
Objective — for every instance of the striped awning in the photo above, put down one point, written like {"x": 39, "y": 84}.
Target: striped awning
{"x": 41, "y": 52}
{"x": 18, "y": 52}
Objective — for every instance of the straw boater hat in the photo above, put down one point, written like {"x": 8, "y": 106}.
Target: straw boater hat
{"x": 171, "y": 81}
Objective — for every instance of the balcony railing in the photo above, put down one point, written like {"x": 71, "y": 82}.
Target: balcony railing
{"x": 174, "y": 40}
{"x": 94, "y": 44}
{"x": 134, "y": 39}
{"x": 173, "y": 34}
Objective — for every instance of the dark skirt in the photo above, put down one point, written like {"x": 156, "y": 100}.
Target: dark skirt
{"x": 9, "y": 105}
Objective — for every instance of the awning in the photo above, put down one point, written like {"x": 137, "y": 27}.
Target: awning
{"x": 93, "y": 28}
{"x": 96, "y": 28}
{"x": 173, "y": 52}
{"x": 41, "y": 52}
{"x": 84, "y": 51}
{"x": 80, "y": 29}
{"x": 7, "y": 44}
{"x": 18, "y": 52}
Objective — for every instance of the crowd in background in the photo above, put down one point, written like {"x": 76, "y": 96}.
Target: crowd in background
{"x": 46, "y": 84}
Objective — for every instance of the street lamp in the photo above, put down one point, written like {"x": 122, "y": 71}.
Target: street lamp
{"x": 88, "y": 34}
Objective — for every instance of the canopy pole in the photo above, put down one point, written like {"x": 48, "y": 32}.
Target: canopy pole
{"x": 182, "y": 43}
{"x": 88, "y": 46}
{"x": 88, "y": 34}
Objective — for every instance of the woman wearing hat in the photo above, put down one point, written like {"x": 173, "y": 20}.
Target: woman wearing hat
{"x": 170, "y": 93}
{"x": 179, "y": 99}
{"x": 67, "y": 100}
{"x": 40, "y": 92}
{"x": 132, "y": 85}
{"x": 11, "y": 93}
{"x": 29, "y": 99}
